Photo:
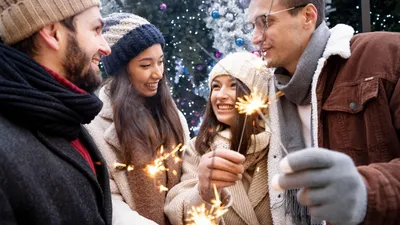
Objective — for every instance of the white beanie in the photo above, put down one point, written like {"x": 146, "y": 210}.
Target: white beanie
{"x": 246, "y": 67}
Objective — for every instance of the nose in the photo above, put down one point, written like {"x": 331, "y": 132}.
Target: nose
{"x": 104, "y": 49}
{"x": 258, "y": 36}
{"x": 157, "y": 73}
{"x": 222, "y": 94}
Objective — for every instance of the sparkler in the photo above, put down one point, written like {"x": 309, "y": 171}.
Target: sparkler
{"x": 202, "y": 216}
{"x": 250, "y": 103}
{"x": 253, "y": 103}
{"x": 157, "y": 165}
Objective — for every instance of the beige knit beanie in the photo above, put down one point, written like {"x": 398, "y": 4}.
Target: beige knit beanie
{"x": 19, "y": 19}
{"x": 246, "y": 67}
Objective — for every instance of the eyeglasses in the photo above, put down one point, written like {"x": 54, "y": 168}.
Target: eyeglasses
{"x": 261, "y": 22}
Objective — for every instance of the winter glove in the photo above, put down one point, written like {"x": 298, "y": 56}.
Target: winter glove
{"x": 330, "y": 185}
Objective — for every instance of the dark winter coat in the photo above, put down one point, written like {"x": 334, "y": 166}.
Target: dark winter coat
{"x": 44, "y": 180}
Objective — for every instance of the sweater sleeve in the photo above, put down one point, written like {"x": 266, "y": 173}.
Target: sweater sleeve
{"x": 185, "y": 195}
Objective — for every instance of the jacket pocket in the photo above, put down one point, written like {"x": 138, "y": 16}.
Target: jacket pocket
{"x": 354, "y": 120}
{"x": 352, "y": 97}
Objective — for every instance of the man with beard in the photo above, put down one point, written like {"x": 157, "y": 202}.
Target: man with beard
{"x": 50, "y": 170}
{"x": 339, "y": 118}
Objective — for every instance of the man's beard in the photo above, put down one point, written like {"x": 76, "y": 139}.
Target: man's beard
{"x": 74, "y": 66}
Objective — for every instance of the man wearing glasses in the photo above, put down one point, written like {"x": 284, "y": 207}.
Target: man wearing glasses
{"x": 339, "y": 120}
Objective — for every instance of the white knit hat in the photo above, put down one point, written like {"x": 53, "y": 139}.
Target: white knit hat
{"x": 246, "y": 67}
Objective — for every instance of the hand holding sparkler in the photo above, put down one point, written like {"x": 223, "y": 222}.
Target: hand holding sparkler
{"x": 227, "y": 167}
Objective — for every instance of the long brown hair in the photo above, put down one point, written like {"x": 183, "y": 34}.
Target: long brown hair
{"x": 143, "y": 123}
{"x": 211, "y": 126}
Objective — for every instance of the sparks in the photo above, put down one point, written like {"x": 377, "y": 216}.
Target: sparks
{"x": 157, "y": 165}
{"x": 254, "y": 102}
{"x": 249, "y": 104}
{"x": 130, "y": 168}
{"x": 163, "y": 188}
{"x": 118, "y": 165}
{"x": 201, "y": 216}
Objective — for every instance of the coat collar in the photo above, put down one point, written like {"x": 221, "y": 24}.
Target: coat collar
{"x": 106, "y": 112}
{"x": 339, "y": 42}
{"x": 258, "y": 142}
{"x": 110, "y": 134}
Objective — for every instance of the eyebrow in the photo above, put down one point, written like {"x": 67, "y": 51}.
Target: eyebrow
{"x": 148, "y": 58}
{"x": 97, "y": 21}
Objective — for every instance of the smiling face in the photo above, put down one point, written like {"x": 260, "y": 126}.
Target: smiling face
{"x": 286, "y": 37}
{"x": 146, "y": 70}
{"x": 223, "y": 99}
{"x": 83, "y": 50}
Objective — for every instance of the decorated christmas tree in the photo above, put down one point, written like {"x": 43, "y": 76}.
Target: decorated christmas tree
{"x": 226, "y": 19}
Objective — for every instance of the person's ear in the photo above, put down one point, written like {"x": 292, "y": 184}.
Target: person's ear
{"x": 310, "y": 15}
{"x": 50, "y": 35}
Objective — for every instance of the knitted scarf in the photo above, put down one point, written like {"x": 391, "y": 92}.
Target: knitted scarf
{"x": 297, "y": 90}
{"x": 146, "y": 194}
{"x": 31, "y": 97}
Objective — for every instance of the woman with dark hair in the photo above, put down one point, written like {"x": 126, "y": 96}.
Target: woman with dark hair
{"x": 138, "y": 119}
{"x": 230, "y": 150}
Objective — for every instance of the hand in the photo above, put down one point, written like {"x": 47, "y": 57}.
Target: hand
{"x": 227, "y": 168}
{"x": 330, "y": 185}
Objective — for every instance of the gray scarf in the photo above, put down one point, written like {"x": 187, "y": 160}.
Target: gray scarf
{"x": 297, "y": 90}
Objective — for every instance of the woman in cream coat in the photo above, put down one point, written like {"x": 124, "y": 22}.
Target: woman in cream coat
{"x": 137, "y": 118}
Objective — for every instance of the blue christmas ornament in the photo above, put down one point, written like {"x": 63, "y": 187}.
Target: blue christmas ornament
{"x": 212, "y": 64}
{"x": 239, "y": 41}
{"x": 215, "y": 14}
{"x": 185, "y": 70}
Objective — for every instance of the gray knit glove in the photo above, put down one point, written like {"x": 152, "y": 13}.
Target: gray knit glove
{"x": 330, "y": 185}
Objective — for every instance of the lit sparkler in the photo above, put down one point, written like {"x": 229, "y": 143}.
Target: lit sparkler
{"x": 202, "y": 216}
{"x": 253, "y": 103}
{"x": 157, "y": 165}
{"x": 249, "y": 104}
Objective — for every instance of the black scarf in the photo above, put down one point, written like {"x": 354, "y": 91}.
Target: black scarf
{"x": 30, "y": 96}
